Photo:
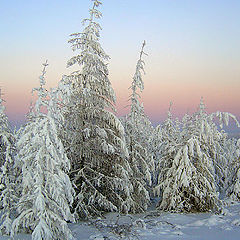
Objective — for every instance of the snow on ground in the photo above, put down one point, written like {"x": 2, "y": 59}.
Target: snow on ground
{"x": 154, "y": 225}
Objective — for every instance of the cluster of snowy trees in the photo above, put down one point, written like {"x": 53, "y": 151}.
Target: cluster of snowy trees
{"x": 74, "y": 159}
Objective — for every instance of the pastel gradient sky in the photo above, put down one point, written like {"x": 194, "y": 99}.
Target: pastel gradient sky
{"x": 193, "y": 50}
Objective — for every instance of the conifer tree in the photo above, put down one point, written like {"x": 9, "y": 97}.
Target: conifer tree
{"x": 187, "y": 182}
{"x": 7, "y": 174}
{"x": 138, "y": 130}
{"x": 156, "y": 143}
{"x": 94, "y": 136}
{"x": 233, "y": 181}
{"x": 213, "y": 140}
{"x": 221, "y": 148}
{"x": 44, "y": 205}
{"x": 198, "y": 164}
{"x": 166, "y": 136}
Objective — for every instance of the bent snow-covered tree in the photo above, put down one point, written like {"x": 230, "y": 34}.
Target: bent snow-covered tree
{"x": 223, "y": 150}
{"x": 7, "y": 174}
{"x": 44, "y": 205}
{"x": 213, "y": 141}
{"x": 138, "y": 129}
{"x": 94, "y": 138}
{"x": 199, "y": 165}
{"x": 189, "y": 182}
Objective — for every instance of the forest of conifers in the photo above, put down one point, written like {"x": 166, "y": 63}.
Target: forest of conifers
{"x": 75, "y": 159}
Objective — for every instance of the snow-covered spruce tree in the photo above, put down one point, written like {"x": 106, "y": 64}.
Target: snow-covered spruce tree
{"x": 233, "y": 153}
{"x": 162, "y": 137}
{"x": 155, "y": 140}
{"x": 8, "y": 197}
{"x": 213, "y": 140}
{"x": 155, "y": 146}
{"x": 202, "y": 163}
{"x": 165, "y": 146}
{"x": 46, "y": 188}
{"x": 94, "y": 137}
{"x": 189, "y": 182}
{"x": 221, "y": 148}
{"x": 138, "y": 129}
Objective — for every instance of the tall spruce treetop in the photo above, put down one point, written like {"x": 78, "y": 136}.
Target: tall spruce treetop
{"x": 137, "y": 83}
{"x": 137, "y": 116}
{"x": 92, "y": 80}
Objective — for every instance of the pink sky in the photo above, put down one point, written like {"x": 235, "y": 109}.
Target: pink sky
{"x": 193, "y": 50}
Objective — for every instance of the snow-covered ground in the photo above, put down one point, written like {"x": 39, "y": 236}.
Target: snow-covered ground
{"x": 154, "y": 225}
